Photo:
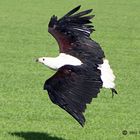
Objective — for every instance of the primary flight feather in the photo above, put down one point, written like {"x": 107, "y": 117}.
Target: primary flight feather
{"x": 82, "y": 69}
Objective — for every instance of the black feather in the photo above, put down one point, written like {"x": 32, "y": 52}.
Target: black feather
{"x": 80, "y": 21}
{"x": 87, "y": 17}
{"x": 72, "y": 87}
{"x": 53, "y": 21}
{"x": 72, "y": 11}
{"x": 82, "y": 13}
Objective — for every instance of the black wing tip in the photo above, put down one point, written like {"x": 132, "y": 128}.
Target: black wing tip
{"x": 82, "y": 123}
{"x": 75, "y": 23}
{"x": 78, "y": 7}
{"x": 89, "y": 10}
{"x": 72, "y": 11}
{"x": 53, "y": 21}
{"x": 79, "y": 20}
{"x": 80, "y": 118}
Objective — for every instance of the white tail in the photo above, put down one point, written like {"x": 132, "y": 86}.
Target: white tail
{"x": 107, "y": 75}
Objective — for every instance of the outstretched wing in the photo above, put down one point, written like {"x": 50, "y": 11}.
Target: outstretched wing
{"x": 72, "y": 87}
{"x": 72, "y": 33}
{"x": 71, "y": 26}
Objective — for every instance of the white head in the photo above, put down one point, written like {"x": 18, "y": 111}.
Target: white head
{"x": 48, "y": 61}
{"x": 57, "y": 62}
{"x": 41, "y": 60}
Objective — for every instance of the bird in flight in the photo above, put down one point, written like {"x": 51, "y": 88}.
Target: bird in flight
{"x": 81, "y": 67}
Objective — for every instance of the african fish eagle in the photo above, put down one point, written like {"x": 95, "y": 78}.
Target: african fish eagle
{"x": 81, "y": 67}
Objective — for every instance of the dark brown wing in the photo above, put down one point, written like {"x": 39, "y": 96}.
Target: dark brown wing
{"x": 72, "y": 33}
{"x": 70, "y": 27}
{"x": 72, "y": 87}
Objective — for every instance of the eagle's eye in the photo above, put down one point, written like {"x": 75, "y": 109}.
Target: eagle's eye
{"x": 43, "y": 59}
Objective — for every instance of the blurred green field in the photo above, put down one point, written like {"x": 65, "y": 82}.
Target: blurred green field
{"x": 26, "y": 113}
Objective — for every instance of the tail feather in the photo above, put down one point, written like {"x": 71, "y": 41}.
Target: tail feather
{"x": 107, "y": 75}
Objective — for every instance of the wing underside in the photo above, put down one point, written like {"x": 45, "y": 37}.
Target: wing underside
{"x": 72, "y": 33}
{"x": 72, "y": 88}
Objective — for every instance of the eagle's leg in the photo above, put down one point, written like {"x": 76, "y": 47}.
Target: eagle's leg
{"x": 113, "y": 91}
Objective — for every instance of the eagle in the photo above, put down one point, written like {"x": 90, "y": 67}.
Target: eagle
{"x": 81, "y": 67}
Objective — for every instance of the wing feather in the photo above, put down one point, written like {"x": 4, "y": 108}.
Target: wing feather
{"x": 72, "y": 33}
{"x": 71, "y": 89}
{"x": 72, "y": 11}
{"x": 80, "y": 14}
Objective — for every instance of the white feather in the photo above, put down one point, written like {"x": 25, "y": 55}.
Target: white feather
{"x": 107, "y": 75}
{"x": 59, "y": 61}
{"x": 82, "y": 30}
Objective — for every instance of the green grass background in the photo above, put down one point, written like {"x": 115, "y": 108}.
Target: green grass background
{"x": 26, "y": 113}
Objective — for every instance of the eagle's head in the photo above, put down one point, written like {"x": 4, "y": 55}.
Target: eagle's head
{"x": 41, "y": 60}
